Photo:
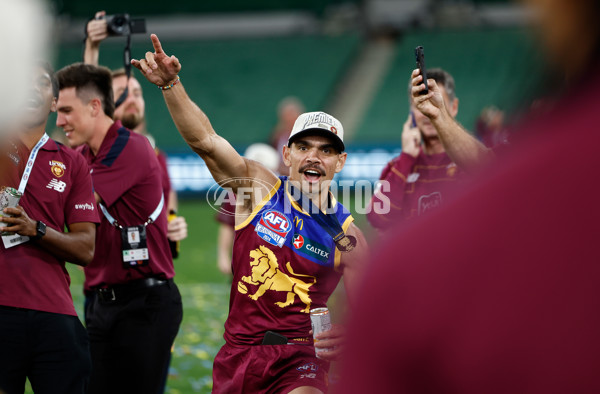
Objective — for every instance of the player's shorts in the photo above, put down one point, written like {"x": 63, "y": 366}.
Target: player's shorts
{"x": 268, "y": 369}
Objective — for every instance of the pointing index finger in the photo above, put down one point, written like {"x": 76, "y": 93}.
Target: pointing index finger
{"x": 156, "y": 44}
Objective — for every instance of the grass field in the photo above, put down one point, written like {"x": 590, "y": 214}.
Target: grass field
{"x": 205, "y": 294}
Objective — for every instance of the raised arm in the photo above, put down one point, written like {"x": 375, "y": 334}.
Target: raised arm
{"x": 194, "y": 126}
{"x": 96, "y": 32}
{"x": 462, "y": 148}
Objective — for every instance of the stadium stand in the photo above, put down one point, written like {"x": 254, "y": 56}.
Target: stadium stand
{"x": 239, "y": 82}
{"x": 489, "y": 66}
{"x": 138, "y": 7}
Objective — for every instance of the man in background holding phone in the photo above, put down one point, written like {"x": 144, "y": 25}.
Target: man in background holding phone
{"x": 435, "y": 151}
{"x": 478, "y": 314}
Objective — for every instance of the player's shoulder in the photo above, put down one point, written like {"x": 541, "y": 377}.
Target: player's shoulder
{"x": 341, "y": 210}
{"x": 66, "y": 160}
{"x": 394, "y": 160}
{"x": 139, "y": 143}
{"x": 388, "y": 166}
{"x": 127, "y": 147}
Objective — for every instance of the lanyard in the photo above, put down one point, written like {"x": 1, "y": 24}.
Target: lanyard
{"x": 151, "y": 218}
{"x": 329, "y": 223}
{"x": 30, "y": 161}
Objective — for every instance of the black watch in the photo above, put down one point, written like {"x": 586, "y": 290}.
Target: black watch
{"x": 40, "y": 229}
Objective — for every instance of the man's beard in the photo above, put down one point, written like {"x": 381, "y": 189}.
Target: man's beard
{"x": 131, "y": 120}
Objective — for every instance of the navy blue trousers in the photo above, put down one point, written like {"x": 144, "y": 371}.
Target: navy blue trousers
{"x": 131, "y": 339}
{"x": 50, "y": 349}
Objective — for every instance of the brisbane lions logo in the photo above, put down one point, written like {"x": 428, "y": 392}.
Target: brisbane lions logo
{"x": 267, "y": 276}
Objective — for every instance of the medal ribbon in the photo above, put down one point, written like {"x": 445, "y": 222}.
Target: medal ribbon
{"x": 30, "y": 161}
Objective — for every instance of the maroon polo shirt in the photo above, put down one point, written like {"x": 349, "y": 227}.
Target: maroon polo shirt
{"x": 127, "y": 176}
{"x": 417, "y": 185}
{"x": 164, "y": 173}
{"x": 59, "y": 193}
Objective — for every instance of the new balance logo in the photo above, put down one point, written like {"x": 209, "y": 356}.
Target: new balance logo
{"x": 57, "y": 185}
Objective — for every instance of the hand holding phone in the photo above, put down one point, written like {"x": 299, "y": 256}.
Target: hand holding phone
{"x": 420, "y": 57}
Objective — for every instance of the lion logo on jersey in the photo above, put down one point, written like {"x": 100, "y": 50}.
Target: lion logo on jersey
{"x": 267, "y": 276}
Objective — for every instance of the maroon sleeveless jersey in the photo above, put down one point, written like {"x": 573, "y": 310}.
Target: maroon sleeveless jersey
{"x": 284, "y": 265}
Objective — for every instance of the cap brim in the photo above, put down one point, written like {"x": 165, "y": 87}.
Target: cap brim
{"x": 339, "y": 144}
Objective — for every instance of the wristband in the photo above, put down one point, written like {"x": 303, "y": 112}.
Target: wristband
{"x": 167, "y": 87}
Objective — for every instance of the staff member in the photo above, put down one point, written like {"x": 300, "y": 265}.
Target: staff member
{"x": 136, "y": 312}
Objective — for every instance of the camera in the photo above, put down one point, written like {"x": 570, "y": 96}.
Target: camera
{"x": 123, "y": 25}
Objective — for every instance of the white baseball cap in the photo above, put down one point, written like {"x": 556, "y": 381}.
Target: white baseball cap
{"x": 318, "y": 123}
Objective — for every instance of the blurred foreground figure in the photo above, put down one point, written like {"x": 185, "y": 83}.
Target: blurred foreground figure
{"x": 29, "y": 21}
{"x": 41, "y": 338}
{"x": 477, "y": 313}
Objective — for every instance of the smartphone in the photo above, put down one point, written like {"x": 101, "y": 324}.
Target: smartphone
{"x": 420, "y": 56}
{"x": 273, "y": 338}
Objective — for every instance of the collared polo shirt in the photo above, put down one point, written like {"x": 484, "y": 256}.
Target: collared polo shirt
{"x": 127, "y": 176}
{"x": 59, "y": 193}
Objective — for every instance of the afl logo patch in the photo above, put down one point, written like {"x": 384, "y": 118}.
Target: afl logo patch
{"x": 273, "y": 227}
{"x": 276, "y": 221}
{"x": 57, "y": 168}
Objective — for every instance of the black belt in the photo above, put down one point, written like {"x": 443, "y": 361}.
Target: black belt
{"x": 14, "y": 308}
{"x": 116, "y": 292}
{"x": 274, "y": 338}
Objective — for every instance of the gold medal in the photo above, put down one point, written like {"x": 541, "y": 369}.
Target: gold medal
{"x": 346, "y": 243}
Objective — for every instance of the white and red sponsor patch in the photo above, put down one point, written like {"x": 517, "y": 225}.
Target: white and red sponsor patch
{"x": 298, "y": 241}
